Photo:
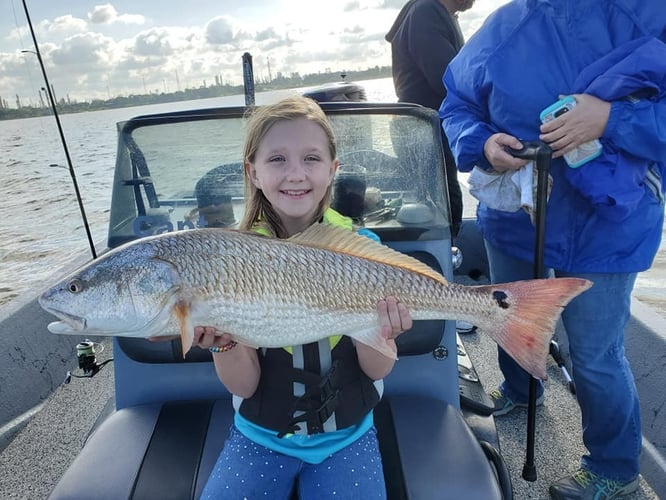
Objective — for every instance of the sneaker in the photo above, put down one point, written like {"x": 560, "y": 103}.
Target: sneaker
{"x": 584, "y": 484}
{"x": 504, "y": 405}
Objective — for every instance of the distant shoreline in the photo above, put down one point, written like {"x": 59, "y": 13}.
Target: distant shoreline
{"x": 279, "y": 83}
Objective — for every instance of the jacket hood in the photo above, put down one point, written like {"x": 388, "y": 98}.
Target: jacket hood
{"x": 398, "y": 21}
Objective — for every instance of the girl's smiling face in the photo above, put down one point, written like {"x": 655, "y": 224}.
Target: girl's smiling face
{"x": 293, "y": 167}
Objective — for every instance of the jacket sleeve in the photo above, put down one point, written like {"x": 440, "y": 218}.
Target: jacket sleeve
{"x": 431, "y": 44}
{"x": 638, "y": 126}
{"x": 463, "y": 117}
{"x": 632, "y": 77}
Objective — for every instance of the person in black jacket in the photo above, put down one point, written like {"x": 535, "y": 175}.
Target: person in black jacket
{"x": 424, "y": 38}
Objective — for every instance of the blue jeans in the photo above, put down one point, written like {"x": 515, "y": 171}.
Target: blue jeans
{"x": 605, "y": 388}
{"x": 245, "y": 469}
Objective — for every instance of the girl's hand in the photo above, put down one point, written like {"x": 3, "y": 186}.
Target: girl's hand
{"x": 585, "y": 122}
{"x": 495, "y": 152}
{"x": 207, "y": 336}
{"x": 394, "y": 318}
{"x": 237, "y": 367}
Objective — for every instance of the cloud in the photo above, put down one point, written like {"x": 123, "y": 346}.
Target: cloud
{"x": 267, "y": 34}
{"x": 107, "y": 14}
{"x": 392, "y": 4}
{"x": 85, "y": 50}
{"x": 219, "y": 31}
{"x": 355, "y": 30}
{"x": 47, "y": 30}
{"x": 102, "y": 14}
{"x": 66, "y": 24}
{"x": 155, "y": 42}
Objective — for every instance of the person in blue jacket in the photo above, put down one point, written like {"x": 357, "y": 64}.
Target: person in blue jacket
{"x": 604, "y": 219}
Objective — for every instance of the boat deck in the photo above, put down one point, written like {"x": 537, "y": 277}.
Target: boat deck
{"x": 559, "y": 441}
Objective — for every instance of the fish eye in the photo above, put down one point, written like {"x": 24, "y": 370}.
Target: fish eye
{"x": 75, "y": 286}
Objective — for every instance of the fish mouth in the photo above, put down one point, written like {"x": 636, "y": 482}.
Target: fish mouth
{"x": 69, "y": 324}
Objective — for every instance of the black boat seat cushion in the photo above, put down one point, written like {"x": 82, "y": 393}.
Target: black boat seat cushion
{"x": 167, "y": 451}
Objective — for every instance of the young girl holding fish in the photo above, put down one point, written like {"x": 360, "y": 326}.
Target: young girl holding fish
{"x": 303, "y": 412}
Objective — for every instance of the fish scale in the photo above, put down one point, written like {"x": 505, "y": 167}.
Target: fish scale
{"x": 267, "y": 292}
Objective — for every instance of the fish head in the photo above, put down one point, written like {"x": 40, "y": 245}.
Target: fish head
{"x": 129, "y": 292}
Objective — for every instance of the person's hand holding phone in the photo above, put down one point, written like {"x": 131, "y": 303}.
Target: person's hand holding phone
{"x": 583, "y": 122}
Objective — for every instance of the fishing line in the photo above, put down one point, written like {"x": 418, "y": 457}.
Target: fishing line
{"x": 23, "y": 49}
{"x": 28, "y": 67}
{"x": 60, "y": 131}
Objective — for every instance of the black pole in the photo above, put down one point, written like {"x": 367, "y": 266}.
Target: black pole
{"x": 556, "y": 354}
{"x": 72, "y": 174}
{"x": 541, "y": 154}
{"x": 248, "y": 79}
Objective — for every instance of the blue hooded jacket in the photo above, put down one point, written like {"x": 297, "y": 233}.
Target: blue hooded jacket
{"x": 527, "y": 54}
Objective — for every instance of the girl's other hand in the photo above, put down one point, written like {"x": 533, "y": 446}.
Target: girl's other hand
{"x": 394, "y": 317}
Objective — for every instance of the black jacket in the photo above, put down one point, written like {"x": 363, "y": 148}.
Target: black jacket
{"x": 424, "y": 38}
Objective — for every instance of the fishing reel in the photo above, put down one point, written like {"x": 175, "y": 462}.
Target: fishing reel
{"x": 86, "y": 355}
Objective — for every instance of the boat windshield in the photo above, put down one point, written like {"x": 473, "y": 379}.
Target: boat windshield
{"x": 184, "y": 170}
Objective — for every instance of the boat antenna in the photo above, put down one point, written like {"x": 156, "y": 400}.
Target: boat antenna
{"x": 62, "y": 135}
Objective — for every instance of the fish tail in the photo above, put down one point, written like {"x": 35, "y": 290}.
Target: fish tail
{"x": 527, "y": 315}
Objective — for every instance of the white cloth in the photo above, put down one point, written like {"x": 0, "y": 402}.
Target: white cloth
{"x": 507, "y": 191}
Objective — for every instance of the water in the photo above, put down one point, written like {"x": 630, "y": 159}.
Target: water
{"x": 40, "y": 222}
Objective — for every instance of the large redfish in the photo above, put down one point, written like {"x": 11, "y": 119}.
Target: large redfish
{"x": 268, "y": 292}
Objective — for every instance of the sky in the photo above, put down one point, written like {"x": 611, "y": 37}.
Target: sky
{"x": 94, "y": 50}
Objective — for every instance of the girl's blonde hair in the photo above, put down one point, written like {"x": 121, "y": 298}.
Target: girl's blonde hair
{"x": 258, "y": 210}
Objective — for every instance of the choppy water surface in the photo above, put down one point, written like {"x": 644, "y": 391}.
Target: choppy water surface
{"x": 41, "y": 229}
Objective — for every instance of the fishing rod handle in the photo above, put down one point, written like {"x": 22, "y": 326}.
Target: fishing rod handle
{"x": 537, "y": 151}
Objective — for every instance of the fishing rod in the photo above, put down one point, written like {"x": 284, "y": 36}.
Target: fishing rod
{"x": 62, "y": 134}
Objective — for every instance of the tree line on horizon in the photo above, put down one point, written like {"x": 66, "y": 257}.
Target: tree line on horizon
{"x": 295, "y": 80}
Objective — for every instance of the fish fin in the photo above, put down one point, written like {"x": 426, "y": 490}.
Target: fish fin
{"x": 534, "y": 306}
{"x": 327, "y": 237}
{"x": 372, "y": 337}
{"x": 182, "y": 312}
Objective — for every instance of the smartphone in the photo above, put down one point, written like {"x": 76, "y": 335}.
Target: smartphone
{"x": 583, "y": 153}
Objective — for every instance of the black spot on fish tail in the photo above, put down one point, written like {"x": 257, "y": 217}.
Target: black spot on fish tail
{"x": 500, "y": 297}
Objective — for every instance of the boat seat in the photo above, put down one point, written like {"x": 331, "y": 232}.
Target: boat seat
{"x": 168, "y": 451}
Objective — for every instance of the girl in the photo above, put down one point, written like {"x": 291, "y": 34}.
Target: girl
{"x": 303, "y": 412}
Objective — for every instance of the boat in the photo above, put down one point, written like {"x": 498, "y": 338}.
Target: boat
{"x": 167, "y": 419}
